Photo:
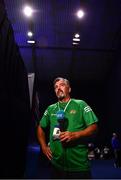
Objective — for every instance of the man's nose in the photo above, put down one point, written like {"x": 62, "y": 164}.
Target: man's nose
{"x": 58, "y": 89}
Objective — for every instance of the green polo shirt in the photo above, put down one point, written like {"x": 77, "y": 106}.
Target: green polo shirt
{"x": 78, "y": 115}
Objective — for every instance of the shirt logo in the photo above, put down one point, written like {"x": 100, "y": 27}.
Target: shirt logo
{"x": 73, "y": 111}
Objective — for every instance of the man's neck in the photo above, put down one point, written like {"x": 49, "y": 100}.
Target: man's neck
{"x": 66, "y": 99}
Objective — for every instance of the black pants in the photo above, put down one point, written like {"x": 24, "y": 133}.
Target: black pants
{"x": 59, "y": 174}
{"x": 117, "y": 155}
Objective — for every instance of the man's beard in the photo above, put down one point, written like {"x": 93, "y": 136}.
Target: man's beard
{"x": 61, "y": 97}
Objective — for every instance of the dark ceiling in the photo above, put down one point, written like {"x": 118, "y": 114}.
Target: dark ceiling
{"x": 54, "y": 25}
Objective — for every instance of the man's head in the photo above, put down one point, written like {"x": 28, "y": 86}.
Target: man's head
{"x": 62, "y": 88}
{"x": 114, "y": 134}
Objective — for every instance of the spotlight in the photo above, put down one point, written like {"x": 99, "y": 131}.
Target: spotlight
{"x": 80, "y": 14}
{"x": 74, "y": 43}
{"x": 77, "y": 35}
{"x": 75, "y": 39}
{"x": 28, "y": 11}
{"x": 30, "y": 34}
{"x": 31, "y": 41}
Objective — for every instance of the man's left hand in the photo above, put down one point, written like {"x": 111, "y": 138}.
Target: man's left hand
{"x": 67, "y": 136}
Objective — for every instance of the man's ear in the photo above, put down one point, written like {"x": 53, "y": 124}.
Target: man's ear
{"x": 69, "y": 89}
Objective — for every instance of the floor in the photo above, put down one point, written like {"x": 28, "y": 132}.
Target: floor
{"x": 37, "y": 166}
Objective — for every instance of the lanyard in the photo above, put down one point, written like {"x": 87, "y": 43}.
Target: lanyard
{"x": 65, "y": 106}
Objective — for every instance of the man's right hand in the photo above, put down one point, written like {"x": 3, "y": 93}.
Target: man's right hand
{"x": 47, "y": 151}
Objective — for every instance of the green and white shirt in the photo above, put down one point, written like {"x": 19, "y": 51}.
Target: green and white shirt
{"x": 79, "y": 116}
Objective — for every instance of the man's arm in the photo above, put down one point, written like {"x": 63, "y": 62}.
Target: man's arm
{"x": 71, "y": 136}
{"x": 42, "y": 140}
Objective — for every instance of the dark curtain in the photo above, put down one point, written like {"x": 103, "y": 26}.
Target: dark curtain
{"x": 14, "y": 103}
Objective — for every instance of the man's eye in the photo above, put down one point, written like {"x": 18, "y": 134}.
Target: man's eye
{"x": 62, "y": 84}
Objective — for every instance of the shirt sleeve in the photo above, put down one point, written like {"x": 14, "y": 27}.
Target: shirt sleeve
{"x": 88, "y": 114}
{"x": 44, "y": 122}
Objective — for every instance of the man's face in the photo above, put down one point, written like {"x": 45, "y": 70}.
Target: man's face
{"x": 62, "y": 89}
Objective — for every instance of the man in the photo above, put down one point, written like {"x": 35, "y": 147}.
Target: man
{"x": 68, "y": 153}
{"x": 14, "y": 103}
{"x": 116, "y": 145}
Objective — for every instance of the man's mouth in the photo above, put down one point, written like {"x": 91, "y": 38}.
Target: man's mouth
{"x": 60, "y": 92}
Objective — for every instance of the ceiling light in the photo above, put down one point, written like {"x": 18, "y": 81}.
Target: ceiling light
{"x": 75, "y": 39}
{"x": 74, "y": 43}
{"x": 30, "y": 34}
{"x": 77, "y": 35}
{"x": 80, "y": 14}
{"x": 28, "y": 11}
{"x": 31, "y": 41}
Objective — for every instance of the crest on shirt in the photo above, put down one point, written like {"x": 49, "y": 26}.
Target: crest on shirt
{"x": 72, "y": 111}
